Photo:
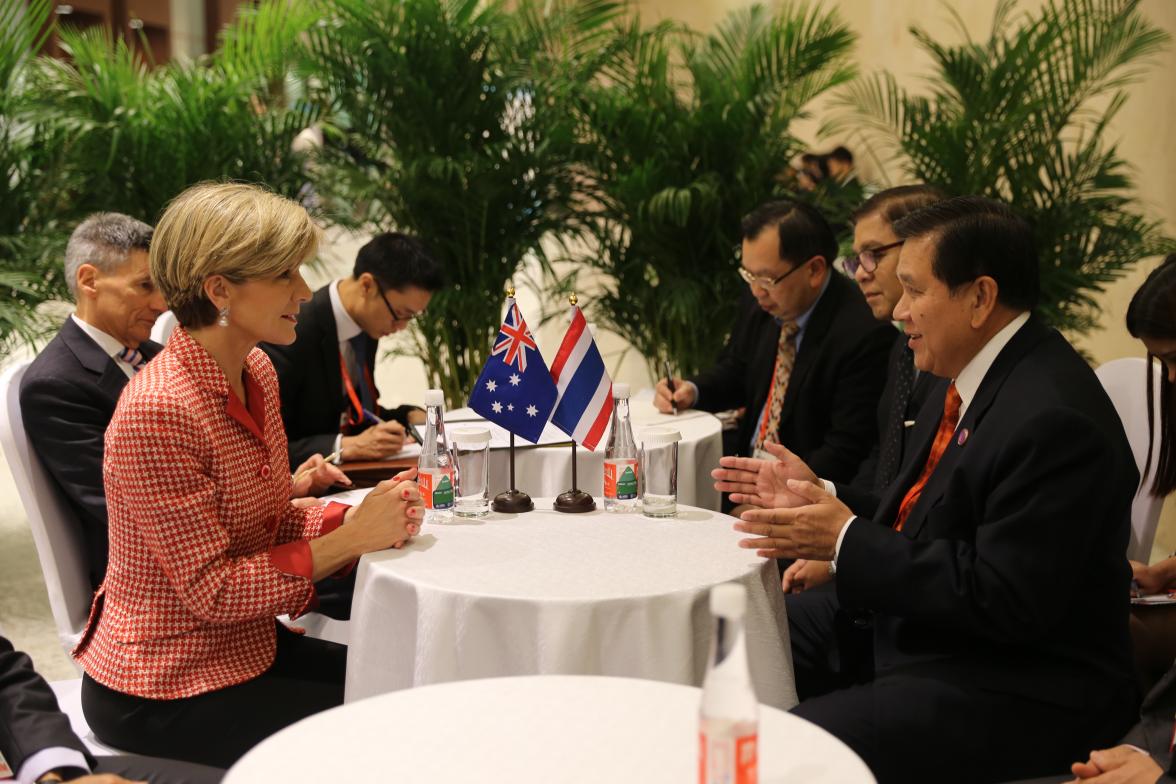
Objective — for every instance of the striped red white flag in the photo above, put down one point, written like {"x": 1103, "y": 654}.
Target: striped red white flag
{"x": 585, "y": 402}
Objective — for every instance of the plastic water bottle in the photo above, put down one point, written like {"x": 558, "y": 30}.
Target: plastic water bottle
{"x": 620, "y": 457}
{"x": 435, "y": 467}
{"x": 729, "y": 714}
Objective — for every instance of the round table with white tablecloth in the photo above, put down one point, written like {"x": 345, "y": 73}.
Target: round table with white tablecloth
{"x": 550, "y": 593}
{"x": 546, "y": 470}
{"x": 572, "y": 730}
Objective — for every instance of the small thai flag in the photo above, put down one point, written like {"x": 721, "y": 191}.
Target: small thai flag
{"x": 585, "y": 401}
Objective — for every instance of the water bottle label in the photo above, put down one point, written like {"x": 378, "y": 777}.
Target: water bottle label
{"x": 620, "y": 479}
{"x": 727, "y": 760}
{"x": 436, "y": 490}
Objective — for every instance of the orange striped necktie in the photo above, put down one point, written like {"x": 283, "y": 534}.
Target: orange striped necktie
{"x": 947, "y": 426}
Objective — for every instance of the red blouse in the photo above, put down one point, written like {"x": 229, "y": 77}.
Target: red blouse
{"x": 205, "y": 547}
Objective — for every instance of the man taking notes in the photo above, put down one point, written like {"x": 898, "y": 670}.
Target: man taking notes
{"x": 329, "y": 397}
{"x": 806, "y": 358}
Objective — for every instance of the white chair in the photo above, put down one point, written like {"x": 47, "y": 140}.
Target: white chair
{"x": 163, "y": 327}
{"x": 1125, "y": 381}
{"x": 61, "y": 547}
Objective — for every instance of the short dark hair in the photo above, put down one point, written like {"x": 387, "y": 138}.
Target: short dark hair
{"x": 1152, "y": 314}
{"x": 398, "y": 261}
{"x": 841, "y": 153}
{"x": 893, "y": 204}
{"x": 977, "y": 237}
{"x": 802, "y": 228}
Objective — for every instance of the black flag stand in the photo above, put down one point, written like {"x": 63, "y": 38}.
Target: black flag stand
{"x": 574, "y": 501}
{"x": 513, "y": 500}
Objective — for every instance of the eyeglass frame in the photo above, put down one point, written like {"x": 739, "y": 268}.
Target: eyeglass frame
{"x": 767, "y": 284}
{"x": 857, "y": 260}
{"x": 396, "y": 317}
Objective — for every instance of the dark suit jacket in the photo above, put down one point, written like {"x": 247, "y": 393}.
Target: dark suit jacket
{"x": 1153, "y": 733}
{"x": 67, "y": 398}
{"x": 859, "y": 495}
{"x": 840, "y": 369}
{"x": 30, "y": 720}
{"x": 1009, "y": 572}
{"x": 312, "y": 385}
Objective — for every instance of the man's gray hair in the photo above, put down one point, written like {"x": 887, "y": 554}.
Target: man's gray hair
{"x": 104, "y": 239}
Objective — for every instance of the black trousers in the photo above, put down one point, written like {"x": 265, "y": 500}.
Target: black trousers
{"x": 923, "y": 725}
{"x": 218, "y": 727}
{"x": 157, "y": 771}
{"x": 831, "y": 648}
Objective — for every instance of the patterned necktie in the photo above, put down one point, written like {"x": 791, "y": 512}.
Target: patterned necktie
{"x": 132, "y": 357}
{"x": 890, "y": 447}
{"x": 769, "y": 431}
{"x": 947, "y": 426}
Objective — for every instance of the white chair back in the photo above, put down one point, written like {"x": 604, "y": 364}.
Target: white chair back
{"x": 1125, "y": 381}
{"x": 163, "y": 327}
{"x": 57, "y": 534}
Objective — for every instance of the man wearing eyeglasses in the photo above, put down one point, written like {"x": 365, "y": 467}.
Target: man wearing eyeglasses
{"x": 330, "y": 404}
{"x": 806, "y": 359}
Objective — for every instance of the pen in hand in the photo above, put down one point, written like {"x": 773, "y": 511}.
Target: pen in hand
{"x": 670, "y": 384}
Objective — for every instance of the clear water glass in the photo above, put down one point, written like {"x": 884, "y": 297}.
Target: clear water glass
{"x": 471, "y": 449}
{"x": 659, "y": 472}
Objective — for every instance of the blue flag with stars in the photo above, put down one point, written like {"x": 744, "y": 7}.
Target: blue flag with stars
{"x": 515, "y": 389}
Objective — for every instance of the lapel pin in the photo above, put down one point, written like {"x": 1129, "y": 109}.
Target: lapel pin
{"x": 963, "y": 439}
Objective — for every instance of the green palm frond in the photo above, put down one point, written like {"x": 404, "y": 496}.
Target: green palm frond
{"x": 679, "y": 153}
{"x": 450, "y": 120}
{"x": 1022, "y": 117}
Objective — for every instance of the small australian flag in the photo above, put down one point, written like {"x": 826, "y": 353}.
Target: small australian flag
{"x": 515, "y": 389}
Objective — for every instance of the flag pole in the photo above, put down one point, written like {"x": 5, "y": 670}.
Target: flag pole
{"x": 574, "y": 501}
{"x": 513, "y": 501}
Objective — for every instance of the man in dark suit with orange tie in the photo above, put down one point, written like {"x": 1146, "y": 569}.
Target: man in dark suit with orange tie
{"x": 68, "y": 393}
{"x": 994, "y": 564}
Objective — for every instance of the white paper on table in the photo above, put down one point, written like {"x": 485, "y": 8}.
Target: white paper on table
{"x": 499, "y": 436}
{"x": 408, "y": 450}
{"x": 1155, "y": 598}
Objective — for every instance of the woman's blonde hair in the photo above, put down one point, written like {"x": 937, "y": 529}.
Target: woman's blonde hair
{"x": 239, "y": 231}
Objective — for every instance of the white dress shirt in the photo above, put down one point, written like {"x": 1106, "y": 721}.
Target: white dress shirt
{"x": 107, "y": 343}
{"x": 345, "y": 329}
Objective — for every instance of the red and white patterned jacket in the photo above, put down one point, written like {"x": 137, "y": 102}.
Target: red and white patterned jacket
{"x": 205, "y": 548}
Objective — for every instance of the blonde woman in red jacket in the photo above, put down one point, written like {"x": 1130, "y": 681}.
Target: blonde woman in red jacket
{"x": 182, "y": 654}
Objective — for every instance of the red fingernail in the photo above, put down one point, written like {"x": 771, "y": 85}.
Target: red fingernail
{"x": 404, "y": 493}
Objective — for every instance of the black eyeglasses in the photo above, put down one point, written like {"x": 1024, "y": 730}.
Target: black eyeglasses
{"x": 763, "y": 281}
{"x": 395, "y": 316}
{"x": 868, "y": 259}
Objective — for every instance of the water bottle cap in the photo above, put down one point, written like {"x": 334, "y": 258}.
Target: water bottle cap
{"x": 660, "y": 436}
{"x": 621, "y": 390}
{"x": 434, "y": 397}
{"x": 728, "y": 600}
{"x": 471, "y": 436}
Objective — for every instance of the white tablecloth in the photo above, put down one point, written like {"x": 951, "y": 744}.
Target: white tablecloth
{"x": 547, "y": 470}
{"x": 571, "y": 730}
{"x": 570, "y": 594}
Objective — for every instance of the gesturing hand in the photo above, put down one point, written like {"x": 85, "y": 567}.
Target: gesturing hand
{"x": 764, "y": 483}
{"x": 808, "y": 531}
{"x": 1120, "y": 765}
{"x": 316, "y": 475}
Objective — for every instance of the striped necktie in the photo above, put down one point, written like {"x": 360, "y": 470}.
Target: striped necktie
{"x": 132, "y": 357}
{"x": 785, "y": 358}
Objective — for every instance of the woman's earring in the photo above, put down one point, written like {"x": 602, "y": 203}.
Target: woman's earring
{"x": 223, "y": 321}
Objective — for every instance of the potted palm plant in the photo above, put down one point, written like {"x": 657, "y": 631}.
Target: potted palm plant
{"x": 685, "y": 136}
{"x": 450, "y": 120}
{"x": 29, "y": 176}
{"x": 1022, "y": 116}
